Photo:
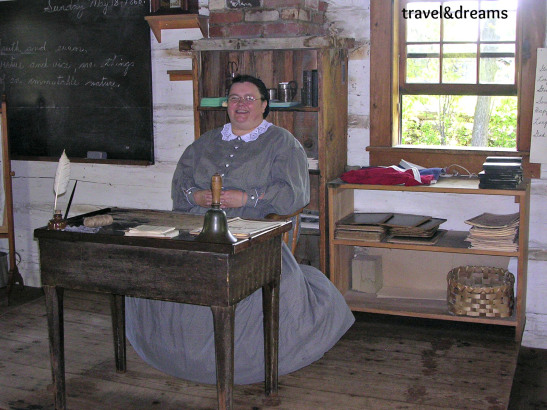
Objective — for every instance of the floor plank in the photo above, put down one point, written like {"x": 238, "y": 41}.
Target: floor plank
{"x": 381, "y": 363}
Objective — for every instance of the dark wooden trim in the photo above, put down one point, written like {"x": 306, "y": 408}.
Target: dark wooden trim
{"x": 381, "y": 66}
{"x": 459, "y": 89}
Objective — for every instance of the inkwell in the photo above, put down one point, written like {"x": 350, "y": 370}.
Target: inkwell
{"x": 215, "y": 223}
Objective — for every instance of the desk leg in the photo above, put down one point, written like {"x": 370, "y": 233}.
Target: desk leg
{"x": 117, "y": 310}
{"x": 54, "y": 309}
{"x": 224, "y": 319}
{"x": 270, "y": 307}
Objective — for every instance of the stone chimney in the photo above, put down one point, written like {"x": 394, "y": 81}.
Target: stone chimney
{"x": 266, "y": 18}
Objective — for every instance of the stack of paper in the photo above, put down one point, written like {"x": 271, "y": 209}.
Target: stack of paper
{"x": 155, "y": 231}
{"x": 494, "y": 232}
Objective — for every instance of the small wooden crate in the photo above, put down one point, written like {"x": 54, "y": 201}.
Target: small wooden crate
{"x": 480, "y": 291}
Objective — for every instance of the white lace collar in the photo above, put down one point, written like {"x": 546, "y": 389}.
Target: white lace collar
{"x": 228, "y": 135}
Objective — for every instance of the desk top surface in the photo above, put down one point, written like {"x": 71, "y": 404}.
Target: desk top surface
{"x": 125, "y": 218}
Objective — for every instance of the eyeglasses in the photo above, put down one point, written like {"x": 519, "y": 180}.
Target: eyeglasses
{"x": 236, "y": 99}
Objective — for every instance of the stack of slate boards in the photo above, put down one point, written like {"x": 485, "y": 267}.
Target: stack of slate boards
{"x": 393, "y": 227}
{"x": 414, "y": 229}
{"x": 501, "y": 173}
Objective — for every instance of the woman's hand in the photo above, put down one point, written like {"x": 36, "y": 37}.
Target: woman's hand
{"x": 232, "y": 198}
{"x": 203, "y": 198}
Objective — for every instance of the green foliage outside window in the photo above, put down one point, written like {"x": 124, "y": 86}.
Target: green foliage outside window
{"x": 448, "y": 121}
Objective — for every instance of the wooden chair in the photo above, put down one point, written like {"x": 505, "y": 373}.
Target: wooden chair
{"x": 290, "y": 240}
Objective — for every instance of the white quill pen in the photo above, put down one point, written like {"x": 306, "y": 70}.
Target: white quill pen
{"x": 62, "y": 177}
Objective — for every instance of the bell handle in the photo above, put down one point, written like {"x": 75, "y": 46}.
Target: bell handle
{"x": 216, "y": 187}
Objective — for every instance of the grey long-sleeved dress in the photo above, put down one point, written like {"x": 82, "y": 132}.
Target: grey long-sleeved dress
{"x": 178, "y": 338}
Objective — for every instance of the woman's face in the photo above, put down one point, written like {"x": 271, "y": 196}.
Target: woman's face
{"x": 244, "y": 115}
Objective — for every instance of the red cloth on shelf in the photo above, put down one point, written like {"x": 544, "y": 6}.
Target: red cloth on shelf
{"x": 384, "y": 176}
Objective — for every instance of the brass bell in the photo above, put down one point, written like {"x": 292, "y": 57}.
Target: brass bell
{"x": 215, "y": 223}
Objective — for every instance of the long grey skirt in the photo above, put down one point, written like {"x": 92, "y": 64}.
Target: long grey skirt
{"x": 178, "y": 339}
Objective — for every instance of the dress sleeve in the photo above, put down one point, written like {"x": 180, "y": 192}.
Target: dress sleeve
{"x": 290, "y": 187}
{"x": 183, "y": 184}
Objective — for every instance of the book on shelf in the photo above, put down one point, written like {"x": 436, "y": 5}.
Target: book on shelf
{"x": 246, "y": 228}
{"x": 360, "y": 235}
{"x": 153, "y": 231}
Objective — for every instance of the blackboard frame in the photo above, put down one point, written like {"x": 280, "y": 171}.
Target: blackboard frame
{"x": 102, "y": 103}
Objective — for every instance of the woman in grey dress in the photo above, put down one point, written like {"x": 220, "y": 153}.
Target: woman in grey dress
{"x": 264, "y": 170}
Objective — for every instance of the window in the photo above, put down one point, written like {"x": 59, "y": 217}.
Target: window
{"x": 460, "y": 82}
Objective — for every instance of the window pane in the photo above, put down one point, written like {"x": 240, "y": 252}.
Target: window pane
{"x": 460, "y": 29}
{"x": 497, "y": 64}
{"x": 422, "y": 64}
{"x": 421, "y": 29}
{"x": 459, "y": 121}
{"x": 502, "y": 22}
{"x": 459, "y": 63}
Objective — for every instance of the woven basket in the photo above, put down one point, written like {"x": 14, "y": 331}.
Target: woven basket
{"x": 480, "y": 291}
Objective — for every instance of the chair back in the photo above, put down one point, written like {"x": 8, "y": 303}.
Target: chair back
{"x": 289, "y": 237}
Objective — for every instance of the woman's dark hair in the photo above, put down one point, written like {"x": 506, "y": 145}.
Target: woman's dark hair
{"x": 264, "y": 95}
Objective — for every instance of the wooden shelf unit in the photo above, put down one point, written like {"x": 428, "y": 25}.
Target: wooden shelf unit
{"x": 341, "y": 203}
{"x": 322, "y": 130}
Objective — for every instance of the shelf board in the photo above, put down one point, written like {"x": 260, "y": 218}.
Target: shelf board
{"x": 180, "y": 75}
{"x": 177, "y": 21}
{"x": 451, "y": 242}
{"x": 422, "y": 308}
{"x": 443, "y": 185}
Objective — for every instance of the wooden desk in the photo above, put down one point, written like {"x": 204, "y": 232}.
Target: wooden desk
{"x": 179, "y": 270}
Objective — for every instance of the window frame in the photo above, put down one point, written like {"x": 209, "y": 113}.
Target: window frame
{"x": 384, "y": 93}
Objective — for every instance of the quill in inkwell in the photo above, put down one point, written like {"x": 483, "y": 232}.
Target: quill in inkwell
{"x": 62, "y": 176}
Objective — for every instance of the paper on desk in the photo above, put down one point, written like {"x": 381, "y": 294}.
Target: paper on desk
{"x": 245, "y": 228}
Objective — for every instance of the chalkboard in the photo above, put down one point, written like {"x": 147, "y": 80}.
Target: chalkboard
{"x": 77, "y": 75}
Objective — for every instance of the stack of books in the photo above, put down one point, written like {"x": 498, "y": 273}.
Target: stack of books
{"x": 494, "y": 232}
{"x": 501, "y": 173}
{"x": 362, "y": 226}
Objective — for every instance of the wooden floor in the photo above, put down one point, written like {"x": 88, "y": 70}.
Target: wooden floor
{"x": 381, "y": 363}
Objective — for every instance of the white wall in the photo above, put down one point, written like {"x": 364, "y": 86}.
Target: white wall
{"x": 149, "y": 186}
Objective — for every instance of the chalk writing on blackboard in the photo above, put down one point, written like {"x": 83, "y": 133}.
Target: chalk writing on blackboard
{"x": 77, "y": 76}
{"x": 538, "y": 148}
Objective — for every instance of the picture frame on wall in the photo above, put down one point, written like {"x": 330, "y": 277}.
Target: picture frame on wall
{"x": 174, "y": 6}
